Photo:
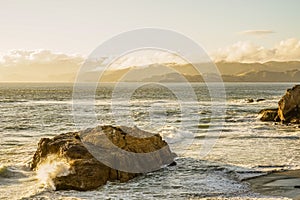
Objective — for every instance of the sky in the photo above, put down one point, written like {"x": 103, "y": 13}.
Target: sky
{"x": 73, "y": 26}
{"x": 229, "y": 30}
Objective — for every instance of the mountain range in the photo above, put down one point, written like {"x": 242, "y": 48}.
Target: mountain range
{"x": 167, "y": 72}
{"x": 230, "y": 72}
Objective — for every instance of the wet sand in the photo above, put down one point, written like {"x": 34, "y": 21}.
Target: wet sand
{"x": 284, "y": 184}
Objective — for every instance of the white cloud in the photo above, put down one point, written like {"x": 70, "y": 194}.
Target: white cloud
{"x": 147, "y": 57}
{"x": 256, "y": 32}
{"x": 38, "y": 65}
{"x": 23, "y": 57}
{"x": 44, "y": 65}
{"x": 244, "y": 51}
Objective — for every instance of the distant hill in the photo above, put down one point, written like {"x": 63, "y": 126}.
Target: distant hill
{"x": 264, "y": 76}
{"x": 231, "y": 72}
{"x": 239, "y": 68}
{"x": 66, "y": 71}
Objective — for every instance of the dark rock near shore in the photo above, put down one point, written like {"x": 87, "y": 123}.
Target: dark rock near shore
{"x": 259, "y": 100}
{"x": 288, "y": 108}
{"x": 85, "y": 172}
{"x": 249, "y": 100}
{"x": 268, "y": 115}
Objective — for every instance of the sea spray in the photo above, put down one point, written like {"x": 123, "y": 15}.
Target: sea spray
{"x": 51, "y": 168}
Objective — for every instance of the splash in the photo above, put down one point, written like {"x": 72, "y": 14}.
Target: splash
{"x": 51, "y": 168}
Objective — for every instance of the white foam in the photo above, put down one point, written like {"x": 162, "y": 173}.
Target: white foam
{"x": 51, "y": 168}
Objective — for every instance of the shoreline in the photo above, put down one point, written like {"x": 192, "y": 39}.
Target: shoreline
{"x": 277, "y": 184}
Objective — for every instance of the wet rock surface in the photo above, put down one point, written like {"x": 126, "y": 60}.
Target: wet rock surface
{"x": 85, "y": 172}
{"x": 268, "y": 115}
{"x": 288, "y": 108}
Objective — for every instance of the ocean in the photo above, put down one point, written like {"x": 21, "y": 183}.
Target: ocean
{"x": 242, "y": 147}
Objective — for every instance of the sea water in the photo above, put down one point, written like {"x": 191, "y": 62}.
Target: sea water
{"x": 243, "y": 146}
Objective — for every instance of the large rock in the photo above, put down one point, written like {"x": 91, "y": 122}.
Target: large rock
{"x": 82, "y": 171}
{"x": 289, "y": 106}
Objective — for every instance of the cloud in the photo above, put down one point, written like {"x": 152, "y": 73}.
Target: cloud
{"x": 147, "y": 57}
{"x": 45, "y": 65}
{"x": 247, "y": 52}
{"x": 23, "y": 57}
{"x": 38, "y": 65}
{"x": 256, "y": 32}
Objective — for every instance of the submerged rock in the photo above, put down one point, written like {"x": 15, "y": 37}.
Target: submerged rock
{"x": 288, "y": 108}
{"x": 259, "y": 100}
{"x": 84, "y": 171}
{"x": 249, "y": 100}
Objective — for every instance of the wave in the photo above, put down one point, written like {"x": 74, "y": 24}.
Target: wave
{"x": 269, "y": 137}
{"x": 12, "y": 101}
{"x": 14, "y": 172}
{"x": 46, "y": 102}
{"x": 18, "y": 182}
{"x": 51, "y": 168}
{"x": 17, "y": 127}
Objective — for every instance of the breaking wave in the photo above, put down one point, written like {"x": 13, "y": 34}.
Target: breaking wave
{"x": 51, "y": 168}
